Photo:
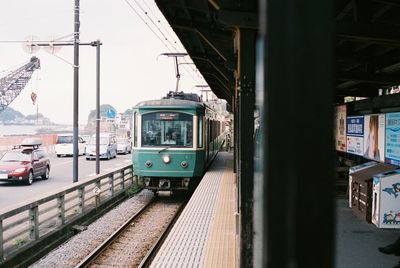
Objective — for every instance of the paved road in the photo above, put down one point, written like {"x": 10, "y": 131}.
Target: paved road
{"x": 60, "y": 176}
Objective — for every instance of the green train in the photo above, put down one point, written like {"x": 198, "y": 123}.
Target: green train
{"x": 174, "y": 141}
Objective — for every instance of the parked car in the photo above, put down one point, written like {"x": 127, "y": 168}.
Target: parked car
{"x": 64, "y": 145}
{"x": 107, "y": 146}
{"x": 124, "y": 146}
{"x": 25, "y": 162}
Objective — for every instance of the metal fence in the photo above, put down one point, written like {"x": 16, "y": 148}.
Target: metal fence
{"x": 23, "y": 226}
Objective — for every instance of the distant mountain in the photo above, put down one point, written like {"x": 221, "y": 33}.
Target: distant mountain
{"x": 127, "y": 114}
{"x": 11, "y": 116}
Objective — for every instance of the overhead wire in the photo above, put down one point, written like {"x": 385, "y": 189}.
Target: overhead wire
{"x": 162, "y": 33}
{"x": 159, "y": 21}
{"x": 155, "y": 25}
{"x": 148, "y": 26}
{"x": 172, "y": 38}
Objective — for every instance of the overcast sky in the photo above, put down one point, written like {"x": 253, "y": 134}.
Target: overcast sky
{"x": 130, "y": 70}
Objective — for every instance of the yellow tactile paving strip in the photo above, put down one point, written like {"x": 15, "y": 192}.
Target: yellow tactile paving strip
{"x": 221, "y": 245}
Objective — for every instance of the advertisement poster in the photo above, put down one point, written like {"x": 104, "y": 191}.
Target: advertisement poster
{"x": 374, "y": 137}
{"x": 392, "y": 146}
{"x": 340, "y": 128}
{"x": 355, "y": 135}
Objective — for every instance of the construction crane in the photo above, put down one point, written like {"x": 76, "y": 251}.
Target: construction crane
{"x": 12, "y": 84}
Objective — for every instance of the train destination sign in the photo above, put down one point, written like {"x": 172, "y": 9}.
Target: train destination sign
{"x": 167, "y": 116}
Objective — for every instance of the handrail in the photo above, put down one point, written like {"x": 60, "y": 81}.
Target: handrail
{"x": 20, "y": 224}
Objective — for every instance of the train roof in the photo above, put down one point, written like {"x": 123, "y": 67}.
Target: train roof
{"x": 164, "y": 103}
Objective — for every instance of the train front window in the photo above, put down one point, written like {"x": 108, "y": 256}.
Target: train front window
{"x": 167, "y": 129}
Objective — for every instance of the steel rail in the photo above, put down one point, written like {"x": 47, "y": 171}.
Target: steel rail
{"x": 154, "y": 249}
{"x": 95, "y": 253}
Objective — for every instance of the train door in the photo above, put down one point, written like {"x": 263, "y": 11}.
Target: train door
{"x": 210, "y": 139}
{"x": 207, "y": 132}
{"x": 135, "y": 130}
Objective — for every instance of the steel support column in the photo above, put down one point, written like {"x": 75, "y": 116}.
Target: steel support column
{"x": 246, "y": 97}
{"x": 75, "y": 123}
{"x": 235, "y": 136}
{"x": 297, "y": 201}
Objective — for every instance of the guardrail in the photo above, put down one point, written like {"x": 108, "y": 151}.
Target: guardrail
{"x": 25, "y": 225}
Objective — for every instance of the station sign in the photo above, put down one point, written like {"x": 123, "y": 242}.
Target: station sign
{"x": 111, "y": 113}
{"x": 392, "y": 142}
{"x": 374, "y": 137}
{"x": 340, "y": 128}
{"x": 355, "y": 135}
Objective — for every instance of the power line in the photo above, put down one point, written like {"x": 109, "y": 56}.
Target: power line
{"x": 25, "y": 41}
{"x": 162, "y": 33}
{"x": 137, "y": 13}
{"x": 159, "y": 21}
{"x": 155, "y": 25}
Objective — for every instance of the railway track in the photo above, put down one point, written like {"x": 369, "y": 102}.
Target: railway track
{"x": 133, "y": 244}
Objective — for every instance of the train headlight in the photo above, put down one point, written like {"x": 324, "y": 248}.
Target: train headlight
{"x": 185, "y": 182}
{"x": 184, "y": 164}
{"x": 148, "y": 163}
{"x": 166, "y": 159}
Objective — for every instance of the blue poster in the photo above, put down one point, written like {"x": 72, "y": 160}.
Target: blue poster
{"x": 355, "y": 135}
{"x": 392, "y": 142}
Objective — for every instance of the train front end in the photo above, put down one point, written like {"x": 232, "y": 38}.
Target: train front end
{"x": 168, "y": 148}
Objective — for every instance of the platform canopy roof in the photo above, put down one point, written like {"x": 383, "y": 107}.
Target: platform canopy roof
{"x": 206, "y": 29}
{"x": 367, "y": 46}
{"x": 366, "y": 41}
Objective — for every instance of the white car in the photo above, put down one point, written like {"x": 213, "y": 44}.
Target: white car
{"x": 124, "y": 146}
{"x": 64, "y": 145}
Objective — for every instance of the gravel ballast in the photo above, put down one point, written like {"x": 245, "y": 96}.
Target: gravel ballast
{"x": 70, "y": 253}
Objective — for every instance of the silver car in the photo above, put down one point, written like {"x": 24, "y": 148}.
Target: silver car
{"x": 107, "y": 146}
{"x": 124, "y": 146}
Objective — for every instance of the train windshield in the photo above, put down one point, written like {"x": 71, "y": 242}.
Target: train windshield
{"x": 167, "y": 129}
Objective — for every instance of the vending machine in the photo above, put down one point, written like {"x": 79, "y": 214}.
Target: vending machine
{"x": 355, "y": 169}
{"x": 386, "y": 200}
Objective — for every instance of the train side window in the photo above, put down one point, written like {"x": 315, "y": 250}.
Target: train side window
{"x": 135, "y": 129}
{"x": 200, "y": 130}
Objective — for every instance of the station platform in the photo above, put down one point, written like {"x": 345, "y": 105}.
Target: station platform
{"x": 205, "y": 235}
{"x": 357, "y": 241}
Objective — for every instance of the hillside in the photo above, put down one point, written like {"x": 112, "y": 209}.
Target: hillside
{"x": 11, "y": 116}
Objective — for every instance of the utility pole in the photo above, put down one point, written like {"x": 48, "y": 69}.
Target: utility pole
{"x": 97, "y": 43}
{"x": 76, "y": 43}
{"x": 75, "y": 124}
